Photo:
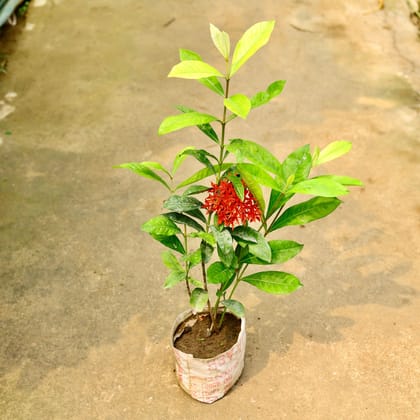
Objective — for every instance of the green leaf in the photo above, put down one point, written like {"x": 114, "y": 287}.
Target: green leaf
{"x": 202, "y": 156}
{"x": 208, "y": 237}
{"x": 261, "y": 249}
{"x": 171, "y": 242}
{"x": 160, "y": 225}
{"x": 274, "y": 282}
{"x": 199, "y": 298}
{"x": 197, "y": 214}
{"x": 174, "y": 278}
{"x": 210, "y": 82}
{"x": 224, "y": 245}
{"x": 298, "y": 164}
{"x": 213, "y": 84}
{"x": 193, "y": 258}
{"x": 179, "y": 158}
{"x": 170, "y": 260}
{"x": 272, "y": 91}
{"x": 193, "y": 69}
{"x": 308, "y": 211}
{"x": 324, "y": 187}
{"x": 236, "y": 180}
{"x": 207, "y": 129}
{"x": 188, "y": 55}
{"x": 343, "y": 180}
{"x": 206, "y": 251}
{"x": 277, "y": 201}
{"x": 255, "y": 153}
{"x": 221, "y": 41}
{"x": 251, "y": 41}
{"x": 180, "y": 218}
{"x": 201, "y": 174}
{"x": 249, "y": 170}
{"x": 180, "y": 203}
{"x": 143, "y": 169}
{"x": 333, "y": 151}
{"x": 281, "y": 251}
{"x": 218, "y": 273}
{"x": 239, "y": 104}
{"x": 195, "y": 189}
{"x": 245, "y": 234}
{"x": 235, "y": 307}
{"x": 189, "y": 119}
{"x": 255, "y": 188}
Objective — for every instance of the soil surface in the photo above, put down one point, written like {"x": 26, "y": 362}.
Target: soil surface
{"x": 195, "y": 340}
{"x": 85, "y": 324}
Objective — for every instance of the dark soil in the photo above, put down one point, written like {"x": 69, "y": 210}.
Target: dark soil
{"x": 194, "y": 340}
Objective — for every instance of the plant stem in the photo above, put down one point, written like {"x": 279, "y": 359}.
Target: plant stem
{"x": 187, "y": 264}
{"x": 224, "y": 123}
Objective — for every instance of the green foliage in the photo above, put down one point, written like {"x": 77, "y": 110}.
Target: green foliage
{"x": 206, "y": 242}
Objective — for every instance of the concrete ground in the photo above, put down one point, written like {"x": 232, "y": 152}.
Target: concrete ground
{"x": 84, "y": 320}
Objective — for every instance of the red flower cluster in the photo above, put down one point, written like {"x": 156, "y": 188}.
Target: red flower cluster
{"x": 230, "y": 210}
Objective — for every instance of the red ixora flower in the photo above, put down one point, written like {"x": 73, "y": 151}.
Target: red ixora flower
{"x": 230, "y": 210}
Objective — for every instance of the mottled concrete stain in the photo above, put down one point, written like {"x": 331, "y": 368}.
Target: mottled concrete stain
{"x": 84, "y": 322}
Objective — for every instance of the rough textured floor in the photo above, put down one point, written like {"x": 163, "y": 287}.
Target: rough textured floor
{"x": 84, "y": 320}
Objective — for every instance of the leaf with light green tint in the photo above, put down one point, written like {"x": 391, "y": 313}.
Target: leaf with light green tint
{"x": 333, "y": 151}
{"x": 171, "y": 261}
{"x": 308, "y": 211}
{"x": 210, "y": 82}
{"x": 249, "y": 170}
{"x": 255, "y": 153}
{"x": 188, "y": 55}
{"x": 189, "y": 119}
{"x": 235, "y": 307}
{"x": 281, "y": 251}
{"x": 181, "y": 203}
{"x": 174, "y": 278}
{"x": 343, "y": 180}
{"x": 251, "y": 41}
{"x": 171, "y": 242}
{"x": 245, "y": 234}
{"x": 201, "y": 174}
{"x": 277, "y": 201}
{"x": 239, "y": 104}
{"x": 193, "y": 69}
{"x": 274, "y": 282}
{"x": 323, "y": 187}
{"x": 198, "y": 299}
{"x": 144, "y": 170}
{"x": 180, "y": 218}
{"x": 207, "y": 129}
{"x": 255, "y": 188}
{"x": 195, "y": 189}
{"x": 161, "y": 225}
{"x": 193, "y": 258}
{"x": 261, "y": 249}
{"x": 221, "y": 41}
{"x": 179, "y": 158}
{"x": 273, "y": 90}
{"x": 218, "y": 273}
{"x": 298, "y": 164}
{"x": 224, "y": 245}
{"x": 236, "y": 180}
{"x": 207, "y": 237}
{"x": 213, "y": 84}
{"x": 202, "y": 156}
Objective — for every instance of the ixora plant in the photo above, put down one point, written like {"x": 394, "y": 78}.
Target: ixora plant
{"x": 217, "y": 222}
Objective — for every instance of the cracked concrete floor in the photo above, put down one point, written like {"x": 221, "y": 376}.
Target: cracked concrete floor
{"x": 84, "y": 321}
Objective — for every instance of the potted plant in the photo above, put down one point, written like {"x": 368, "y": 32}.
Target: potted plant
{"x": 216, "y": 223}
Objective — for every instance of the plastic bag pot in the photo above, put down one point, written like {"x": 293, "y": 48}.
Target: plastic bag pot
{"x": 208, "y": 380}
